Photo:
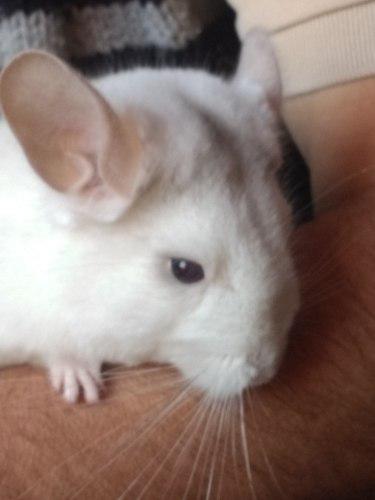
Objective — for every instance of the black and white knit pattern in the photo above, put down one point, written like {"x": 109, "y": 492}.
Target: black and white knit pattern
{"x": 100, "y": 35}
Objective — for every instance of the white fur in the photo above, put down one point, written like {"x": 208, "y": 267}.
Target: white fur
{"x": 75, "y": 292}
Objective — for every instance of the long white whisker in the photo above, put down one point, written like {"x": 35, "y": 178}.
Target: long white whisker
{"x": 192, "y": 473}
{"x": 199, "y": 414}
{"x": 178, "y": 462}
{"x": 261, "y": 404}
{"x": 224, "y": 454}
{"x": 245, "y": 448}
{"x": 156, "y": 385}
{"x": 216, "y": 449}
{"x": 233, "y": 447}
{"x": 207, "y": 443}
{"x": 121, "y": 370}
{"x": 268, "y": 463}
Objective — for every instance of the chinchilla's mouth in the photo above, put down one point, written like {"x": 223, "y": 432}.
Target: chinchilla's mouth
{"x": 222, "y": 377}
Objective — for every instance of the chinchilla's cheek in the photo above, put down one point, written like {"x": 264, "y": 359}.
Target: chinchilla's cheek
{"x": 234, "y": 340}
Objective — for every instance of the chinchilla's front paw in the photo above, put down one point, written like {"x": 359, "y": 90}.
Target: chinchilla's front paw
{"x": 73, "y": 380}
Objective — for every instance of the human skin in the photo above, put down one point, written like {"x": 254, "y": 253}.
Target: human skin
{"x": 335, "y": 129}
{"x": 310, "y": 433}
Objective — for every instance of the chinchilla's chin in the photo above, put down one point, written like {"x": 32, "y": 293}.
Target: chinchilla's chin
{"x": 223, "y": 377}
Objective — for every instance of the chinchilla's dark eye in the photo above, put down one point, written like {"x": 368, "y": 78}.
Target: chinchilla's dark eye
{"x": 187, "y": 271}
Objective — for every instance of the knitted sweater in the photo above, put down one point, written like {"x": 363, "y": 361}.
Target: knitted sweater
{"x": 98, "y": 36}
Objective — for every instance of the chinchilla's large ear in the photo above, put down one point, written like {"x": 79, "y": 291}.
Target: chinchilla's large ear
{"x": 258, "y": 64}
{"x": 70, "y": 135}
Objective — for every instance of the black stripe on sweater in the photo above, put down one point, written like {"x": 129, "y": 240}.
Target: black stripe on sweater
{"x": 215, "y": 50}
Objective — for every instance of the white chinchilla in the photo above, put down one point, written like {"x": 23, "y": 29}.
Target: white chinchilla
{"x": 141, "y": 220}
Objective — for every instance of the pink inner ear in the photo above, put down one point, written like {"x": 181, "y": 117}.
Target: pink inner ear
{"x": 59, "y": 119}
{"x": 71, "y": 137}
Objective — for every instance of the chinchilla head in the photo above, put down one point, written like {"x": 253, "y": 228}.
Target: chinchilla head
{"x": 169, "y": 175}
